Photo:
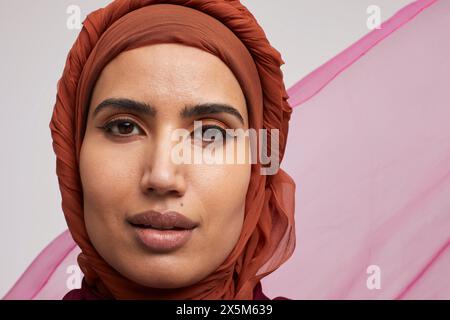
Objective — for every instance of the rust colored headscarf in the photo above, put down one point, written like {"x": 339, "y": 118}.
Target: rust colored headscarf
{"x": 229, "y": 31}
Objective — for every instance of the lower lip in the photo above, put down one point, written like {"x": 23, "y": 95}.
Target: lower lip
{"x": 163, "y": 240}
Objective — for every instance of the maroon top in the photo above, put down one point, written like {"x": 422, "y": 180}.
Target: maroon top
{"x": 86, "y": 293}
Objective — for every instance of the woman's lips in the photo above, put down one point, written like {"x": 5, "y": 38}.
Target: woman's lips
{"x": 162, "y": 232}
{"x": 163, "y": 240}
{"x": 162, "y": 220}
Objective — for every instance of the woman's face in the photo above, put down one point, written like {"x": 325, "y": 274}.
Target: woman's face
{"x": 127, "y": 165}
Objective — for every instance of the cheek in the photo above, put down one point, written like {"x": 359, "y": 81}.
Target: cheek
{"x": 221, "y": 190}
{"x": 107, "y": 175}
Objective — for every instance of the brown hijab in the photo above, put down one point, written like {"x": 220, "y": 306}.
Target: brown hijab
{"x": 228, "y": 30}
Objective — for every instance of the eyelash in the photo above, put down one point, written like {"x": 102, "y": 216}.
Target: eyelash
{"x": 108, "y": 129}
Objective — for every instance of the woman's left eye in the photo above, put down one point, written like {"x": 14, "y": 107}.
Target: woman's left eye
{"x": 122, "y": 127}
{"x": 211, "y": 133}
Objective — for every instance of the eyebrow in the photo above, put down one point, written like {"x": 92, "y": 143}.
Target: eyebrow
{"x": 148, "y": 110}
{"x": 126, "y": 105}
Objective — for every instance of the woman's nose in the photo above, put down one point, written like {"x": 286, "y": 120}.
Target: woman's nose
{"x": 162, "y": 176}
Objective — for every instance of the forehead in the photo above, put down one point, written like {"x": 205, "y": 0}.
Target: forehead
{"x": 171, "y": 74}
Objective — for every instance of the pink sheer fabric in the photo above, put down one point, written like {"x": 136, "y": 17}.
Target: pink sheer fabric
{"x": 369, "y": 149}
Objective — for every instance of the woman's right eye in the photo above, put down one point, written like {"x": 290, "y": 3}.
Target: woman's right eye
{"x": 122, "y": 128}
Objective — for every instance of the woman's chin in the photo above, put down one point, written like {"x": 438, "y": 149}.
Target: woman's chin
{"x": 163, "y": 282}
{"x": 159, "y": 275}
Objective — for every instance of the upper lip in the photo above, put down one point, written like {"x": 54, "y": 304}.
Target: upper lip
{"x": 162, "y": 220}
